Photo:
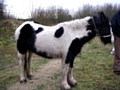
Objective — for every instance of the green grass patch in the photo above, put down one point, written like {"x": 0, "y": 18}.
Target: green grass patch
{"x": 94, "y": 68}
{"x": 38, "y": 61}
{"x": 40, "y": 87}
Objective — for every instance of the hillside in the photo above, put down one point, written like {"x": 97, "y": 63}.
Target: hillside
{"x": 7, "y": 28}
{"x": 8, "y": 58}
{"x": 7, "y": 41}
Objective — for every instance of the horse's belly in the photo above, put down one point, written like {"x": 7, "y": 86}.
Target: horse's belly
{"x": 51, "y": 46}
{"x": 49, "y": 49}
{"x": 49, "y": 52}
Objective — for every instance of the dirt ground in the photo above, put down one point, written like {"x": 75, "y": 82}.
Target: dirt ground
{"x": 42, "y": 78}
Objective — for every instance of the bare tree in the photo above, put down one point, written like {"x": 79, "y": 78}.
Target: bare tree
{"x": 1, "y": 9}
{"x": 53, "y": 15}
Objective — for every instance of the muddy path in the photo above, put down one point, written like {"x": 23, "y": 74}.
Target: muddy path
{"x": 47, "y": 77}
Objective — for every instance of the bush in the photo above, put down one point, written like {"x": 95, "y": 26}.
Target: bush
{"x": 2, "y": 9}
{"x": 53, "y": 15}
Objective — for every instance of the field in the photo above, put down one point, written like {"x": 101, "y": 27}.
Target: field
{"x": 93, "y": 67}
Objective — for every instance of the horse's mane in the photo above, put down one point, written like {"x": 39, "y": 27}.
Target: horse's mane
{"x": 75, "y": 24}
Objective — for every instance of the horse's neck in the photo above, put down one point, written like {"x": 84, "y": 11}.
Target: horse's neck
{"x": 77, "y": 24}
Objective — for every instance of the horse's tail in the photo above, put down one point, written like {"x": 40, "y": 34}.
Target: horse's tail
{"x": 26, "y": 38}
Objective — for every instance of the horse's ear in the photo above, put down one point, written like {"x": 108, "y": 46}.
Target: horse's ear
{"x": 103, "y": 17}
{"x": 99, "y": 13}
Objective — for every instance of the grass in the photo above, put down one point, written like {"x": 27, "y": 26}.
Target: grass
{"x": 94, "y": 68}
{"x": 8, "y": 59}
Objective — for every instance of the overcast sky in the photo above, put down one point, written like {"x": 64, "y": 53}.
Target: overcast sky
{"x": 22, "y": 8}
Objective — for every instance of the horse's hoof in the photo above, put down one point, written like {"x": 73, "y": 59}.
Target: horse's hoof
{"x": 30, "y": 77}
{"x": 66, "y": 89}
{"x": 23, "y": 81}
{"x": 73, "y": 85}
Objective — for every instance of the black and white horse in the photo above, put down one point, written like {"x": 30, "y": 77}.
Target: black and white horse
{"x": 63, "y": 40}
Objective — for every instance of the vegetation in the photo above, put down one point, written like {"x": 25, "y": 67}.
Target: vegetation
{"x": 8, "y": 59}
{"x": 2, "y": 9}
{"x": 53, "y": 15}
{"x": 50, "y": 16}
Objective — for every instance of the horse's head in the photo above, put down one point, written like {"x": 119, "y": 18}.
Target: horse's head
{"x": 102, "y": 27}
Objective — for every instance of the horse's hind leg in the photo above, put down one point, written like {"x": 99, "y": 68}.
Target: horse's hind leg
{"x": 21, "y": 58}
{"x": 27, "y": 66}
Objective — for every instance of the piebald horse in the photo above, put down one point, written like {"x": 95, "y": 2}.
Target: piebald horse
{"x": 64, "y": 40}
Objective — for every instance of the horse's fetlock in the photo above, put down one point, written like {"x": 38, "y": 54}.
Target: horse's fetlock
{"x": 72, "y": 82}
{"x": 23, "y": 81}
{"x": 65, "y": 86}
{"x": 30, "y": 77}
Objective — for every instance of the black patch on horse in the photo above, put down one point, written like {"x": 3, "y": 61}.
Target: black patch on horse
{"x": 26, "y": 39}
{"x": 59, "y": 32}
{"x": 43, "y": 54}
{"x": 74, "y": 49}
{"x": 76, "y": 46}
{"x": 40, "y": 29}
{"x": 90, "y": 26}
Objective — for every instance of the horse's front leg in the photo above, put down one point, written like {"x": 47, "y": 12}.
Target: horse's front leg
{"x": 64, "y": 83}
{"x": 72, "y": 82}
{"x": 70, "y": 59}
{"x": 21, "y": 58}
